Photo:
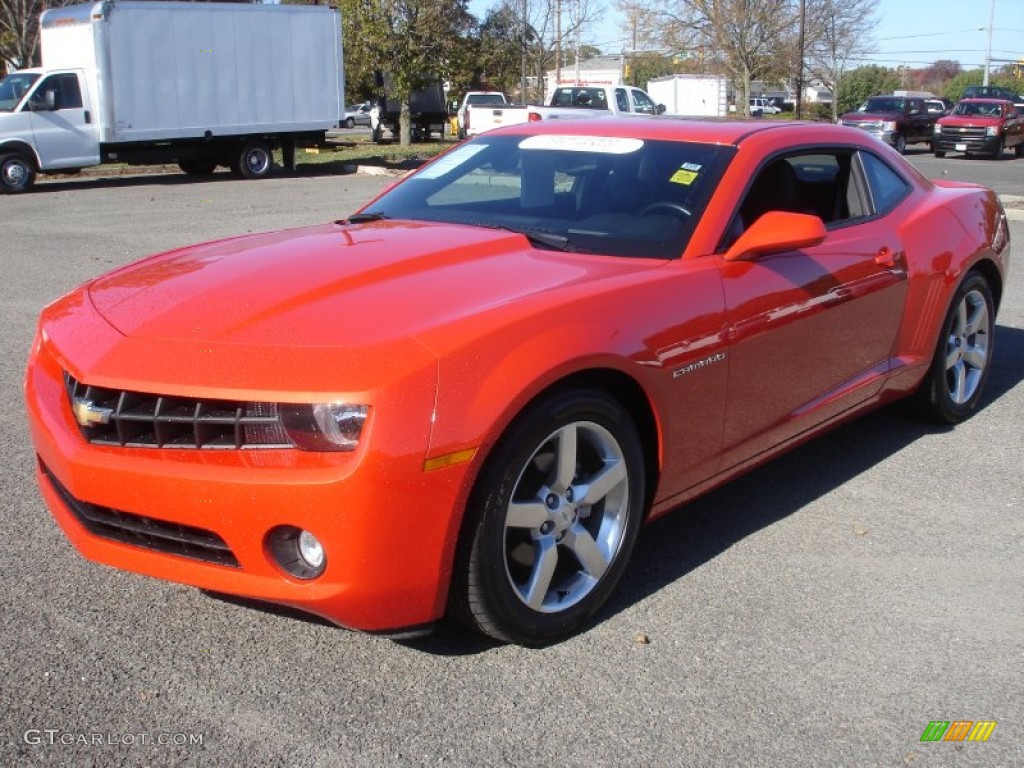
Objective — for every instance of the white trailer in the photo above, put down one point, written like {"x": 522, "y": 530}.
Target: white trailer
{"x": 691, "y": 95}
{"x": 200, "y": 84}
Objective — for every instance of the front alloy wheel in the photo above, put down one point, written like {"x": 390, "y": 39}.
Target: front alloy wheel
{"x": 953, "y": 386}
{"x": 553, "y": 521}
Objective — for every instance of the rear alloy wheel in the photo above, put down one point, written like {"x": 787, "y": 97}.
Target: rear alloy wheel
{"x": 953, "y": 386}
{"x": 253, "y": 160}
{"x": 16, "y": 173}
{"x": 552, "y": 521}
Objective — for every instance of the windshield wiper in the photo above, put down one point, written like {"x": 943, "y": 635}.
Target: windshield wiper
{"x": 361, "y": 218}
{"x": 541, "y": 238}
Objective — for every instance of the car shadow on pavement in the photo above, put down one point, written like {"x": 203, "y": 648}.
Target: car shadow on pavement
{"x": 697, "y": 532}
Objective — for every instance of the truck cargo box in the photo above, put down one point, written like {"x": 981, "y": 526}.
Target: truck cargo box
{"x": 171, "y": 70}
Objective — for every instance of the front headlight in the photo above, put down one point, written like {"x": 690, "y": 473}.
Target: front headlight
{"x": 324, "y": 426}
{"x": 938, "y": 128}
{"x": 889, "y": 126}
{"x": 992, "y": 130}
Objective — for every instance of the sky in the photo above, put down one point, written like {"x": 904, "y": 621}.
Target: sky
{"x": 914, "y": 33}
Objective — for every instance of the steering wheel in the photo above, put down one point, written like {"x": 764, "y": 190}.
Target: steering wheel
{"x": 663, "y": 205}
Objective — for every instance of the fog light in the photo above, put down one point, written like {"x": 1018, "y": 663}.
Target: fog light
{"x": 311, "y": 550}
{"x": 297, "y": 552}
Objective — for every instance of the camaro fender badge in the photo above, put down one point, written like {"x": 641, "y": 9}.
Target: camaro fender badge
{"x": 696, "y": 365}
{"x": 88, "y": 414}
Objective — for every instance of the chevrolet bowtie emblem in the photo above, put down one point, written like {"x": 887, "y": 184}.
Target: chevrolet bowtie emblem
{"x": 88, "y": 414}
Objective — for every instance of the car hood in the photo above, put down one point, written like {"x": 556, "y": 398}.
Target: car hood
{"x": 333, "y": 285}
{"x": 969, "y": 121}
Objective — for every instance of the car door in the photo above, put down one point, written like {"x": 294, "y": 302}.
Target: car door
{"x": 62, "y": 123}
{"x": 812, "y": 331}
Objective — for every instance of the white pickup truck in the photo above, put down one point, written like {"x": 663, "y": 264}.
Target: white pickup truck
{"x": 567, "y": 101}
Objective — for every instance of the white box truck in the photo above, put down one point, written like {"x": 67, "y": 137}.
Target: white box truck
{"x": 198, "y": 84}
{"x": 691, "y": 95}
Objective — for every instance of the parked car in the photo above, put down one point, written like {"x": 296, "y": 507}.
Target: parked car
{"x": 895, "y": 120}
{"x": 763, "y": 106}
{"x": 991, "y": 92}
{"x": 937, "y": 107}
{"x": 469, "y": 395}
{"x": 357, "y": 114}
{"x": 980, "y": 127}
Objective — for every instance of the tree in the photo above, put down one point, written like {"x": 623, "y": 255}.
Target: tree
{"x": 955, "y": 87}
{"x": 835, "y": 32}
{"x": 19, "y": 29}
{"x": 413, "y": 42}
{"x": 747, "y": 36}
{"x": 863, "y": 82}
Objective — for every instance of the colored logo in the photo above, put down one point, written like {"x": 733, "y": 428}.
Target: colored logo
{"x": 958, "y": 730}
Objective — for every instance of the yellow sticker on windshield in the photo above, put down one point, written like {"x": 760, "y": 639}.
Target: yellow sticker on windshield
{"x": 683, "y": 176}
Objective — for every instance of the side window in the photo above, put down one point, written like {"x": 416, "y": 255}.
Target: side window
{"x": 622, "y": 100}
{"x": 65, "y": 90}
{"x": 887, "y": 188}
{"x": 643, "y": 103}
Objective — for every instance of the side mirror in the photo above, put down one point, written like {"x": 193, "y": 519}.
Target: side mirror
{"x": 777, "y": 231}
{"x": 661, "y": 109}
{"x": 50, "y": 98}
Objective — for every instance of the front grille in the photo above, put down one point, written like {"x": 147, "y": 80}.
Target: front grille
{"x": 143, "y": 420}
{"x": 963, "y": 133}
{"x": 141, "y": 531}
{"x": 866, "y": 125}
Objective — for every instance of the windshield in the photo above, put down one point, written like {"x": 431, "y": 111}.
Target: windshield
{"x": 979, "y": 108}
{"x": 590, "y": 194}
{"x": 13, "y": 88}
{"x": 884, "y": 104}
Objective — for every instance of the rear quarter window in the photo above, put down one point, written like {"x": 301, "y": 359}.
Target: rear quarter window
{"x": 887, "y": 187}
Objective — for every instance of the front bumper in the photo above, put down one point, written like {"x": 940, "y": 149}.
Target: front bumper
{"x": 388, "y": 526}
{"x": 982, "y": 145}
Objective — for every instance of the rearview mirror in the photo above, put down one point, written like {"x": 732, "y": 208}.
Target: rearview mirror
{"x": 777, "y": 231}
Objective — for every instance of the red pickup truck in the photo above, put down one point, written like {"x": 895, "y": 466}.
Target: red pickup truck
{"x": 980, "y": 127}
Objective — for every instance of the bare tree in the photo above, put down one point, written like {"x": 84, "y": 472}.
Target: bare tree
{"x": 748, "y": 37}
{"x": 19, "y": 30}
{"x": 837, "y": 32}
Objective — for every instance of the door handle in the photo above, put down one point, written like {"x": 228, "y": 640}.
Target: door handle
{"x": 88, "y": 119}
{"x": 886, "y": 257}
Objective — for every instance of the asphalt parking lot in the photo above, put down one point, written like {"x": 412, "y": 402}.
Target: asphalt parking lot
{"x": 820, "y": 611}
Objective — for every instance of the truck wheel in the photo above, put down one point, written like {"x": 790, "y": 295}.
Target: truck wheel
{"x": 198, "y": 167}
{"x": 901, "y": 144}
{"x": 1018, "y": 151}
{"x": 997, "y": 153}
{"x": 253, "y": 160}
{"x": 16, "y": 173}
{"x": 939, "y": 153}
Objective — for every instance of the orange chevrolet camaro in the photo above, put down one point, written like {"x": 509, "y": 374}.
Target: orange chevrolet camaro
{"x": 467, "y": 397}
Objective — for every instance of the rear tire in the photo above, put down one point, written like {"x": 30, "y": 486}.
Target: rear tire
{"x": 953, "y": 386}
{"x": 252, "y": 160}
{"x": 198, "y": 167}
{"x": 17, "y": 174}
{"x": 552, "y": 520}
{"x": 350, "y": 123}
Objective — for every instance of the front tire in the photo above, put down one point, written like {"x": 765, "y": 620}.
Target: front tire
{"x": 939, "y": 153}
{"x": 552, "y": 520}
{"x": 16, "y": 173}
{"x": 953, "y": 386}
{"x": 901, "y": 144}
{"x": 350, "y": 123}
{"x": 198, "y": 167}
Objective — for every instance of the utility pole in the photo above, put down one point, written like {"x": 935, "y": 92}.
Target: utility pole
{"x": 800, "y": 73}
{"x": 522, "y": 42}
{"x": 988, "y": 54}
